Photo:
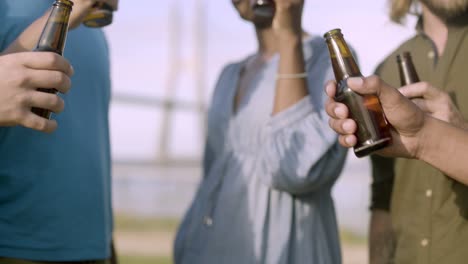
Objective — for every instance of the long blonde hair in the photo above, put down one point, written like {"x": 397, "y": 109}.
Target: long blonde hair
{"x": 399, "y": 9}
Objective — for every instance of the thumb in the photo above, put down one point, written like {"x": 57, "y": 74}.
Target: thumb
{"x": 389, "y": 96}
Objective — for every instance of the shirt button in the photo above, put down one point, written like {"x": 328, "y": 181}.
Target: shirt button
{"x": 208, "y": 221}
{"x": 431, "y": 54}
{"x": 429, "y": 193}
{"x": 424, "y": 242}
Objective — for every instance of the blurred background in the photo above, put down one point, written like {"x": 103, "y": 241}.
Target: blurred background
{"x": 166, "y": 56}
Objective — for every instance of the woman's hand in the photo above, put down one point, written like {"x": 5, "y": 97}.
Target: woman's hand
{"x": 288, "y": 18}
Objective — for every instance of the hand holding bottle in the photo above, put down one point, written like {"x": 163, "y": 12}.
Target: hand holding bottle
{"x": 431, "y": 100}
{"x": 406, "y": 118}
{"x": 435, "y": 102}
{"x": 20, "y": 75}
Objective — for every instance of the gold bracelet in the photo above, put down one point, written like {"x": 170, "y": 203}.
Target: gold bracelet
{"x": 291, "y": 75}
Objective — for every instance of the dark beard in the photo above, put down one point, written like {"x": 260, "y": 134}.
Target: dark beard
{"x": 454, "y": 16}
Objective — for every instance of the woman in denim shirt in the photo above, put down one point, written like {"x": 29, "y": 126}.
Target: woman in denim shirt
{"x": 270, "y": 158}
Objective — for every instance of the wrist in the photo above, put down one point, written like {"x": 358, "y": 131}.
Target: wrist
{"x": 289, "y": 42}
{"x": 425, "y": 139}
{"x": 289, "y": 35}
{"x": 464, "y": 125}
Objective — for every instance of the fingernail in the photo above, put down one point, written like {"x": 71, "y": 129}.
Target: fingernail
{"x": 349, "y": 140}
{"x": 348, "y": 126}
{"x": 339, "y": 112}
{"x": 355, "y": 81}
{"x": 402, "y": 90}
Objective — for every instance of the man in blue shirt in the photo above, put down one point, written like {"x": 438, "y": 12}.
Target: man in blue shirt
{"x": 55, "y": 193}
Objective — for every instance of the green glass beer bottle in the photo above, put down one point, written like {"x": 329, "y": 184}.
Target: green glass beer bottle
{"x": 53, "y": 38}
{"x": 373, "y": 130}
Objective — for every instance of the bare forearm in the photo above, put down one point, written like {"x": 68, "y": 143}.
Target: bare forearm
{"x": 28, "y": 39}
{"x": 445, "y": 147}
{"x": 290, "y": 90}
{"x": 381, "y": 238}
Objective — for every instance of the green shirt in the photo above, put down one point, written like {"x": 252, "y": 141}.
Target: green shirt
{"x": 429, "y": 210}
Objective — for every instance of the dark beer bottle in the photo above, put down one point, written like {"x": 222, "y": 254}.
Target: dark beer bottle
{"x": 373, "y": 130}
{"x": 53, "y": 39}
{"x": 100, "y": 16}
{"x": 263, "y": 8}
{"x": 408, "y": 73}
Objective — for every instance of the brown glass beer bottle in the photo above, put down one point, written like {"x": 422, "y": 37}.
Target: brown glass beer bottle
{"x": 263, "y": 8}
{"x": 373, "y": 130}
{"x": 53, "y": 39}
{"x": 408, "y": 73}
{"x": 101, "y": 15}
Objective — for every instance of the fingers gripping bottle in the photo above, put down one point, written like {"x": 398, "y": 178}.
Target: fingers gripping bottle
{"x": 53, "y": 38}
{"x": 373, "y": 130}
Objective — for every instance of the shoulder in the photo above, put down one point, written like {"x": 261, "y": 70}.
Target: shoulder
{"x": 228, "y": 75}
{"x": 315, "y": 48}
{"x": 230, "y": 71}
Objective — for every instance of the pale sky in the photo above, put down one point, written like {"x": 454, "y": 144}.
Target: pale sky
{"x": 140, "y": 40}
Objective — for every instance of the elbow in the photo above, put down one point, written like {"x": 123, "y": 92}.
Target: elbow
{"x": 307, "y": 179}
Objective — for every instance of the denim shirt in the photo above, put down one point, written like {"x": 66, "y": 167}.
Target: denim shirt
{"x": 265, "y": 195}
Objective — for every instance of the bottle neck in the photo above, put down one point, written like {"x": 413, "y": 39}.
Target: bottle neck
{"x": 54, "y": 35}
{"x": 343, "y": 63}
{"x": 408, "y": 73}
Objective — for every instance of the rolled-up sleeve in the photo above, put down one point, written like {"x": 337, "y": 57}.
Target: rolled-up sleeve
{"x": 299, "y": 153}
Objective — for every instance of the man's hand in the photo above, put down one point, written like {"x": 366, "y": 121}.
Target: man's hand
{"x": 435, "y": 102}
{"x": 20, "y": 75}
{"x": 406, "y": 118}
{"x": 81, "y": 9}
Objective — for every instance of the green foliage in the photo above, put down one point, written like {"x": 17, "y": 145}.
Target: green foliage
{"x": 349, "y": 237}
{"x": 135, "y": 224}
{"x": 144, "y": 260}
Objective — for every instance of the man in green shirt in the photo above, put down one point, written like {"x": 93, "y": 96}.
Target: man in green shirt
{"x": 419, "y": 215}
{"x": 416, "y": 135}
